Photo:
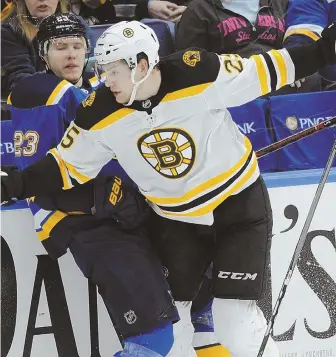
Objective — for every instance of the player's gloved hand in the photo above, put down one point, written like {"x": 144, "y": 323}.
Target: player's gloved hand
{"x": 6, "y": 199}
{"x": 114, "y": 199}
{"x": 328, "y": 43}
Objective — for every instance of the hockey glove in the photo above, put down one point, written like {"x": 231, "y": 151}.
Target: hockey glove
{"x": 6, "y": 183}
{"x": 113, "y": 199}
{"x": 328, "y": 43}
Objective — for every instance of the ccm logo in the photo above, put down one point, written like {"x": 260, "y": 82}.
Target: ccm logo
{"x": 236, "y": 276}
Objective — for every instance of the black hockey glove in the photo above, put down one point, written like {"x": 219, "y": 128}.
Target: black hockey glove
{"x": 6, "y": 185}
{"x": 328, "y": 43}
{"x": 113, "y": 199}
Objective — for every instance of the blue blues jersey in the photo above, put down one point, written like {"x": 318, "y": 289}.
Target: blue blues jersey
{"x": 42, "y": 107}
{"x": 305, "y": 21}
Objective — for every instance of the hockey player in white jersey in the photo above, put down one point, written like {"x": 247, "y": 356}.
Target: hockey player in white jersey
{"x": 167, "y": 123}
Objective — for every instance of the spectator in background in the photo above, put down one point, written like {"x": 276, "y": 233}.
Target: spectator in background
{"x": 112, "y": 11}
{"x": 19, "y": 53}
{"x": 94, "y": 12}
{"x": 231, "y": 26}
{"x": 166, "y": 10}
{"x": 245, "y": 28}
{"x": 305, "y": 21}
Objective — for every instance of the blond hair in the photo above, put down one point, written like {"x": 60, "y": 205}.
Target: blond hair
{"x": 19, "y": 9}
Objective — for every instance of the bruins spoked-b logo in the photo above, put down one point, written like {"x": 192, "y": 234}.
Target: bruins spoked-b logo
{"x": 128, "y": 32}
{"x": 191, "y": 58}
{"x": 170, "y": 151}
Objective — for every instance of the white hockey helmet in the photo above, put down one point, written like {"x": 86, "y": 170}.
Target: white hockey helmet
{"x": 124, "y": 41}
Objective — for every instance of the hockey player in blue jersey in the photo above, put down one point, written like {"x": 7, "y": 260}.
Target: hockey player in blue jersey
{"x": 305, "y": 21}
{"x": 116, "y": 256}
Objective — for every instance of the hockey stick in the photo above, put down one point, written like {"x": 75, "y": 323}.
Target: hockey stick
{"x": 298, "y": 249}
{"x": 295, "y": 137}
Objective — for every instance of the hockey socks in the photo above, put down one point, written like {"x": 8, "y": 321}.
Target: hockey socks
{"x": 155, "y": 343}
{"x": 205, "y": 341}
{"x": 183, "y": 332}
{"x": 240, "y": 326}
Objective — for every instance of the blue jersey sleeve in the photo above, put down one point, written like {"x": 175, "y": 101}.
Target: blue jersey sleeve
{"x": 305, "y": 21}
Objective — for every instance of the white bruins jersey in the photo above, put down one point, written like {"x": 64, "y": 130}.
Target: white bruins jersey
{"x": 181, "y": 146}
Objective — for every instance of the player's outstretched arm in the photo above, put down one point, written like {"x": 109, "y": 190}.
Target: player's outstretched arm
{"x": 78, "y": 158}
{"x": 242, "y": 80}
{"x": 42, "y": 177}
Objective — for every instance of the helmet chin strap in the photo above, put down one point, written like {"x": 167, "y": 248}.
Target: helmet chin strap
{"x": 136, "y": 84}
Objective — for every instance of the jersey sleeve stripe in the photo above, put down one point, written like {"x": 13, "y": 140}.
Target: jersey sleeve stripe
{"x": 262, "y": 72}
{"x": 49, "y": 224}
{"x": 272, "y": 71}
{"x": 112, "y": 118}
{"x": 186, "y": 92}
{"x": 67, "y": 184}
{"x": 311, "y": 27}
{"x": 209, "y": 184}
{"x": 281, "y": 67}
{"x": 58, "y": 92}
{"x": 95, "y": 82}
{"x": 79, "y": 177}
{"x": 9, "y": 99}
{"x": 304, "y": 32}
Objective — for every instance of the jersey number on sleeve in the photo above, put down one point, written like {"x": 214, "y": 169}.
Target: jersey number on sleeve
{"x": 69, "y": 137}
{"x": 31, "y": 137}
{"x": 232, "y": 64}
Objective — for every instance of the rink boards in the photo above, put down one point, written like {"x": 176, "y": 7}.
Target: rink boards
{"x": 49, "y": 309}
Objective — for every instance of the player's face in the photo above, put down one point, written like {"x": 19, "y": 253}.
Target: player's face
{"x": 118, "y": 79}
{"x": 66, "y": 57}
{"x": 41, "y": 8}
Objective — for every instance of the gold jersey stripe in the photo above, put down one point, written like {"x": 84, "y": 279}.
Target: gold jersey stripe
{"x": 186, "y": 92}
{"x": 112, "y": 118}
{"x": 208, "y": 208}
{"x": 49, "y": 224}
{"x": 282, "y": 67}
{"x": 56, "y": 92}
{"x": 262, "y": 72}
{"x": 308, "y": 33}
{"x": 81, "y": 178}
{"x": 63, "y": 170}
{"x": 214, "y": 181}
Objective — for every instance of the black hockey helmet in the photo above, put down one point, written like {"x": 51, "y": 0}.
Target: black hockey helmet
{"x": 60, "y": 25}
